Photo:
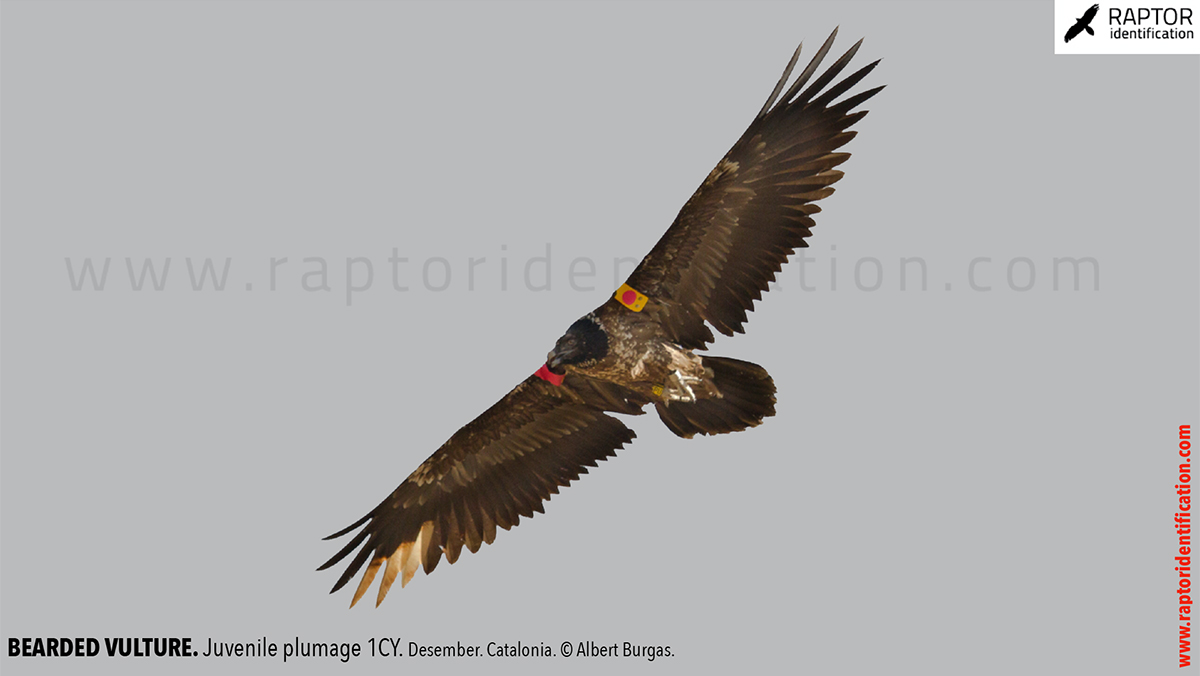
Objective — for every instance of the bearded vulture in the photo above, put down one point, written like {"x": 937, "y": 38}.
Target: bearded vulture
{"x": 638, "y": 348}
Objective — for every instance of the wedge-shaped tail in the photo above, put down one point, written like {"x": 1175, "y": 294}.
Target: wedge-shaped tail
{"x": 747, "y": 396}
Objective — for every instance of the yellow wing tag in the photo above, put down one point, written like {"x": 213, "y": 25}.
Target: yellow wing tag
{"x": 630, "y": 298}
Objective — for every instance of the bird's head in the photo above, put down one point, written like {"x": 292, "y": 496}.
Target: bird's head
{"x": 584, "y": 344}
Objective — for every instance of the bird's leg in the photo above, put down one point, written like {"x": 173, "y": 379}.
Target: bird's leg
{"x": 679, "y": 387}
{"x": 687, "y": 380}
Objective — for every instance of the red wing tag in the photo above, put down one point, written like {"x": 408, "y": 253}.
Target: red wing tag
{"x": 545, "y": 374}
{"x": 630, "y": 298}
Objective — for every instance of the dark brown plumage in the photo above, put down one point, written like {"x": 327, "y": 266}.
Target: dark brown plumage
{"x": 754, "y": 208}
{"x": 717, "y": 258}
{"x": 495, "y": 470}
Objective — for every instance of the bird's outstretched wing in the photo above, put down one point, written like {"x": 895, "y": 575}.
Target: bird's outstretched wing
{"x": 493, "y": 471}
{"x": 755, "y": 208}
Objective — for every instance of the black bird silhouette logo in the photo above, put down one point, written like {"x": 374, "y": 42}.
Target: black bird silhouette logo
{"x": 1082, "y": 24}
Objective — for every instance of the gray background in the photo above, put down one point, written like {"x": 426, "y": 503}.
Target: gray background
{"x": 957, "y": 481}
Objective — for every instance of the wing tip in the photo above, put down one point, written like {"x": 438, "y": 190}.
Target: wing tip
{"x": 367, "y": 578}
{"x": 787, "y": 73}
{"x": 347, "y": 529}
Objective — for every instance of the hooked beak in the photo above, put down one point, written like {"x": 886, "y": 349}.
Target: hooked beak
{"x": 554, "y": 361}
{"x": 561, "y": 355}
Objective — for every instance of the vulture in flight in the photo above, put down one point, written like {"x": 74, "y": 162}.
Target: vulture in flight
{"x": 638, "y": 348}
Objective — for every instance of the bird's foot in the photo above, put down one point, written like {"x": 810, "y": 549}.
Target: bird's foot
{"x": 679, "y": 387}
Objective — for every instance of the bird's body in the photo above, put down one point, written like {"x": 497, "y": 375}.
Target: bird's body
{"x": 641, "y": 357}
{"x": 638, "y": 348}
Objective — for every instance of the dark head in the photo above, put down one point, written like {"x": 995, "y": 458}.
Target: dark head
{"x": 584, "y": 344}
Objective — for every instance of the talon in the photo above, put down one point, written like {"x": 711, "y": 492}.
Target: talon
{"x": 679, "y": 387}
